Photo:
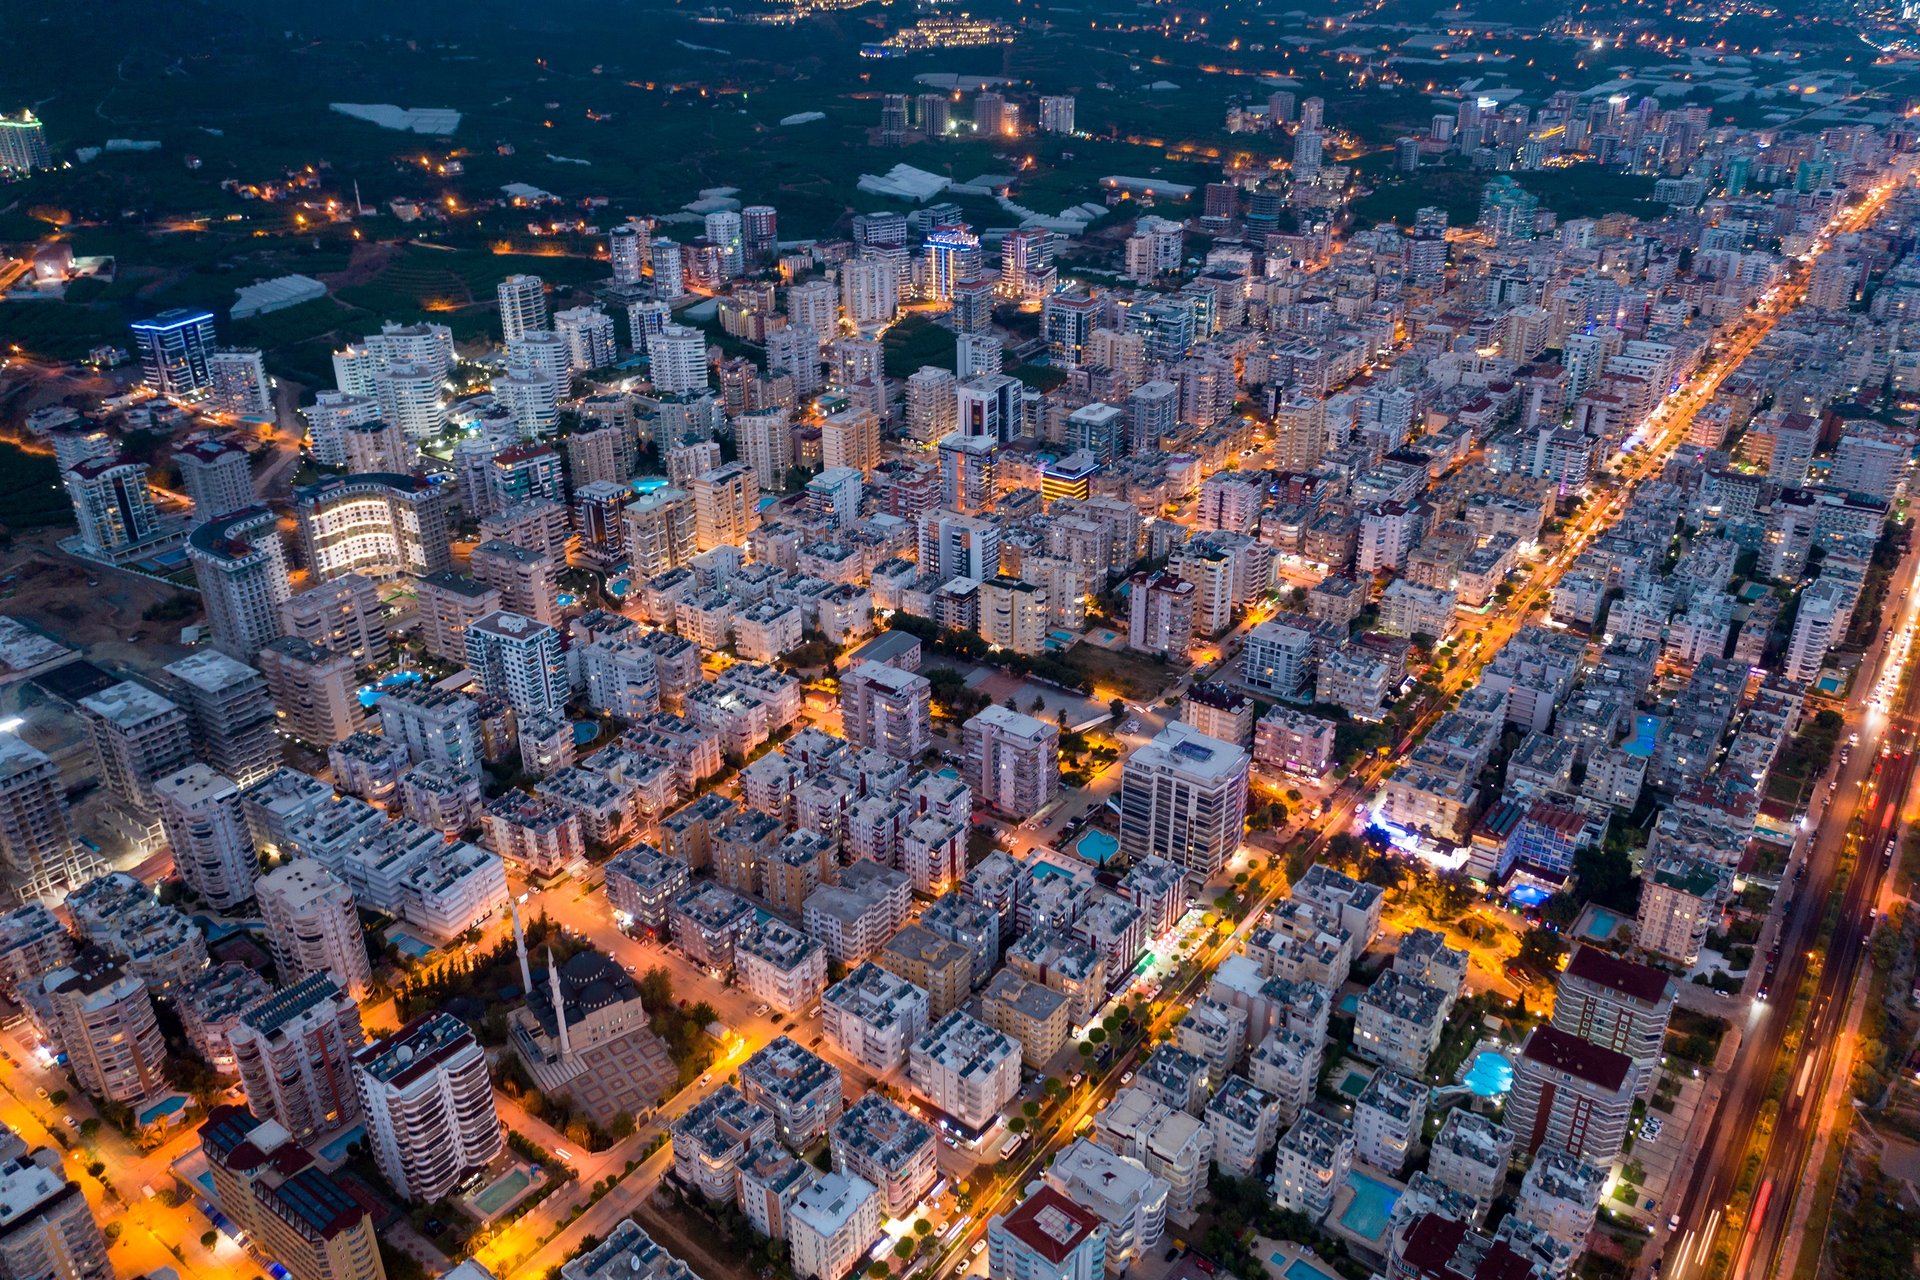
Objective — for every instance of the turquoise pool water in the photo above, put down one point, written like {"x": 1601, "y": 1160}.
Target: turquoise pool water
{"x": 1372, "y": 1205}
{"x": 649, "y": 484}
{"x": 1350, "y": 1003}
{"x": 1490, "y": 1076}
{"x": 1300, "y": 1269}
{"x": 370, "y": 693}
{"x": 566, "y": 600}
{"x": 411, "y": 946}
{"x": 1353, "y": 1083}
{"x": 337, "y": 1149}
{"x": 584, "y": 731}
{"x": 501, "y": 1192}
{"x": 1602, "y": 924}
{"x": 1048, "y": 871}
{"x": 164, "y": 1107}
{"x": 1096, "y": 847}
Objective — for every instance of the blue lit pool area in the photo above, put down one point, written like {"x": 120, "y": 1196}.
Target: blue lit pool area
{"x": 618, "y": 587}
{"x": 1371, "y": 1207}
{"x": 1350, "y": 1004}
{"x": 337, "y": 1149}
{"x": 585, "y": 731}
{"x": 1096, "y": 847}
{"x": 1490, "y": 1075}
{"x": 1528, "y": 896}
{"x": 1300, "y": 1269}
{"x": 1645, "y": 739}
{"x": 159, "y": 1111}
{"x": 410, "y": 945}
{"x": 1043, "y": 870}
{"x": 567, "y": 601}
{"x": 370, "y": 693}
{"x": 649, "y": 484}
{"x": 1599, "y": 925}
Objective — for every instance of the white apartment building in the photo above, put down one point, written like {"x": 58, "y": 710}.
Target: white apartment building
{"x": 139, "y": 738}
{"x": 873, "y": 1017}
{"x": 965, "y": 1068}
{"x": 1387, "y": 1119}
{"x": 294, "y": 1053}
{"x": 1012, "y": 761}
{"x": 206, "y": 828}
{"x": 832, "y": 1224}
{"x": 1312, "y": 1161}
{"x": 428, "y": 1106}
{"x": 312, "y": 926}
{"x": 887, "y": 709}
{"x": 1131, "y": 1201}
{"x": 1183, "y": 797}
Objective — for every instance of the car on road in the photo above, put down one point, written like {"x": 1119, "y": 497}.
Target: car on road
{"x": 815, "y": 1042}
{"x": 40, "y": 1091}
{"x": 1673, "y": 1223}
{"x": 70, "y": 1122}
{"x": 978, "y": 1245}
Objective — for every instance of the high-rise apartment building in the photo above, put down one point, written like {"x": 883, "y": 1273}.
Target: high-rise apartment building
{"x": 312, "y": 689}
{"x": 100, "y": 1016}
{"x": 1183, "y": 797}
{"x": 231, "y": 712}
{"x": 725, "y": 506}
{"x": 887, "y": 709}
{"x": 523, "y": 306}
{"x": 175, "y": 350}
{"x": 519, "y": 659}
{"x": 139, "y": 737}
{"x": 428, "y": 1106}
{"x": 294, "y": 1052}
{"x": 379, "y": 525}
{"x": 47, "y": 1232}
{"x": 112, "y": 504}
{"x": 37, "y": 841}
{"x": 1160, "y": 609}
{"x": 23, "y": 143}
{"x": 218, "y": 477}
{"x": 1012, "y": 761}
{"x": 312, "y": 926}
{"x": 240, "y": 566}
{"x": 677, "y": 360}
{"x": 207, "y": 831}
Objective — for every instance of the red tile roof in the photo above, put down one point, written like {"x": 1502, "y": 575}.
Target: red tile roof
{"x": 1639, "y": 981}
{"x": 1590, "y": 1062}
{"x": 1050, "y": 1224}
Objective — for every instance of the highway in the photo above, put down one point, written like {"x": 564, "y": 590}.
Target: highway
{"x": 1868, "y": 790}
{"x": 1668, "y": 427}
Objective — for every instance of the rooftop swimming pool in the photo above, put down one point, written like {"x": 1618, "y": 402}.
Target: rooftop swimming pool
{"x": 1528, "y": 895}
{"x": 1490, "y": 1076}
{"x": 1096, "y": 847}
{"x": 1370, "y": 1209}
{"x": 1043, "y": 870}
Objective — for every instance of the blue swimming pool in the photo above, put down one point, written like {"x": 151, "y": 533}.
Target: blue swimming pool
{"x": 1601, "y": 924}
{"x": 1371, "y": 1207}
{"x": 1096, "y": 847}
{"x": 1490, "y": 1076}
{"x": 370, "y": 693}
{"x": 1528, "y": 895}
{"x": 337, "y": 1149}
{"x": 163, "y": 1108}
{"x": 584, "y": 731}
{"x": 1350, "y": 1004}
{"x": 567, "y": 601}
{"x": 1300, "y": 1269}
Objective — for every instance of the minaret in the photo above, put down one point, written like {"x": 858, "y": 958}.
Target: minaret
{"x": 520, "y": 945}
{"x": 559, "y": 1005}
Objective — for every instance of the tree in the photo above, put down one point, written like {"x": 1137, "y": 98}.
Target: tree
{"x": 921, "y": 1227}
{"x": 1541, "y": 949}
{"x": 879, "y": 1270}
{"x": 903, "y": 1248}
{"x": 1117, "y": 707}
{"x": 1017, "y": 1125}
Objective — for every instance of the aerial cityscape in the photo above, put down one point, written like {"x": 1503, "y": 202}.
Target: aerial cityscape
{"x": 919, "y": 639}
